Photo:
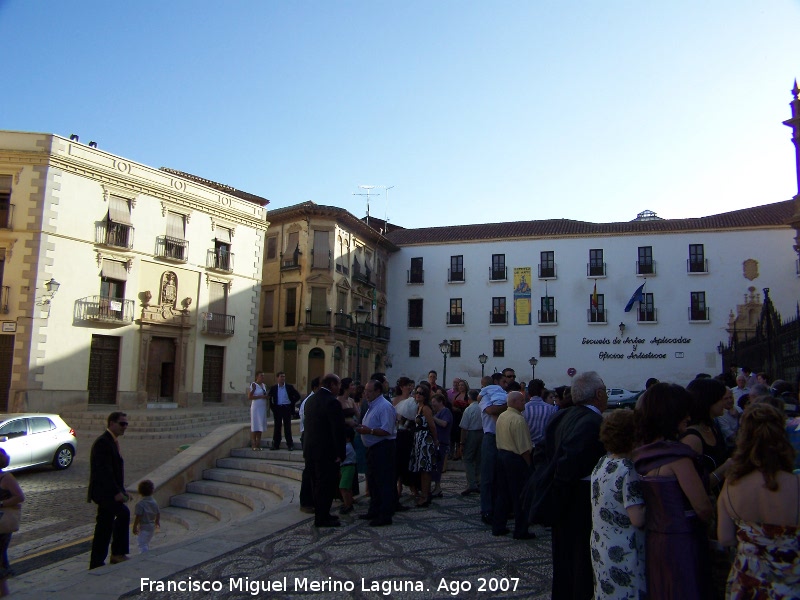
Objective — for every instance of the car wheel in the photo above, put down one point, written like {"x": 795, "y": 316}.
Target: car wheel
{"x": 64, "y": 456}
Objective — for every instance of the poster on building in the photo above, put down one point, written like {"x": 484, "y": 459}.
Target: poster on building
{"x": 522, "y": 296}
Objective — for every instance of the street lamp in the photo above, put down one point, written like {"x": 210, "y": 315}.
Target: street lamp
{"x": 360, "y": 316}
{"x": 444, "y": 348}
{"x": 482, "y": 358}
{"x": 533, "y": 362}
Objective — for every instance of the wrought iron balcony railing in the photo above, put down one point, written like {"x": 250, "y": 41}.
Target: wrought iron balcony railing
{"x": 498, "y": 273}
{"x": 455, "y": 318}
{"x": 317, "y": 319}
{"x": 594, "y": 315}
{"x": 456, "y": 276}
{"x": 595, "y": 269}
{"x": 218, "y": 324}
{"x": 697, "y": 266}
{"x": 221, "y": 261}
{"x": 103, "y": 308}
{"x": 698, "y": 314}
{"x": 548, "y": 316}
{"x": 114, "y": 234}
{"x": 646, "y": 267}
{"x": 498, "y": 318}
{"x": 172, "y": 248}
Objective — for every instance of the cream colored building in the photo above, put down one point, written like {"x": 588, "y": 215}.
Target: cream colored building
{"x": 321, "y": 264}
{"x": 159, "y": 279}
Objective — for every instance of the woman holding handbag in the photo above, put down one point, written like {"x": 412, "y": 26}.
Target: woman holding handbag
{"x": 11, "y": 497}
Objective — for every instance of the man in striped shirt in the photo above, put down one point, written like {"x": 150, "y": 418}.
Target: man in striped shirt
{"x": 537, "y": 412}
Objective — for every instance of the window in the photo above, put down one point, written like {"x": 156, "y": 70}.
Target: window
{"x": 117, "y": 229}
{"x": 14, "y": 429}
{"x": 343, "y": 262}
{"x": 5, "y": 201}
{"x": 291, "y": 255}
{"x": 5, "y": 288}
{"x": 221, "y": 257}
{"x": 547, "y": 264}
{"x": 272, "y": 247}
{"x": 415, "y": 312}
{"x": 498, "y": 348}
{"x": 455, "y": 348}
{"x": 647, "y": 311}
{"x": 498, "y": 267}
{"x": 697, "y": 261}
{"x": 456, "y": 314}
{"x": 597, "y": 314}
{"x": 175, "y": 245}
{"x": 291, "y": 307}
{"x": 416, "y": 274}
{"x": 413, "y": 348}
{"x": 698, "y": 311}
{"x": 321, "y": 250}
{"x": 547, "y": 314}
{"x": 112, "y": 289}
{"x": 218, "y": 321}
{"x": 645, "y": 265}
{"x": 41, "y": 424}
{"x": 319, "y": 315}
{"x": 597, "y": 268}
{"x": 547, "y": 345}
{"x": 499, "y": 314}
{"x": 269, "y": 308}
{"x": 456, "y": 272}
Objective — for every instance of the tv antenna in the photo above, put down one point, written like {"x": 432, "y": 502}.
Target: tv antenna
{"x": 386, "y": 209}
{"x": 369, "y": 193}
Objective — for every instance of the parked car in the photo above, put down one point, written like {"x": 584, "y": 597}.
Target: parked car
{"x": 33, "y": 439}
{"x": 620, "y": 398}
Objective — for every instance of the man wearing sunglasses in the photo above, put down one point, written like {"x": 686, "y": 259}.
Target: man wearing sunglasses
{"x": 107, "y": 490}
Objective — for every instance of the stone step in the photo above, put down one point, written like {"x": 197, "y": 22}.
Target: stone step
{"x": 280, "y": 482}
{"x": 283, "y": 455}
{"x": 224, "y": 510}
{"x": 191, "y": 521}
{"x": 288, "y": 471}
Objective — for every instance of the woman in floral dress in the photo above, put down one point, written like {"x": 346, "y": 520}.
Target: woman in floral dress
{"x": 759, "y": 509}
{"x": 423, "y": 456}
{"x": 617, "y": 537}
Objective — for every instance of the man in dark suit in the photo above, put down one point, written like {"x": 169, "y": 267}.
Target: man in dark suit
{"x": 107, "y": 490}
{"x": 282, "y": 398}
{"x": 324, "y": 447}
{"x": 572, "y": 444}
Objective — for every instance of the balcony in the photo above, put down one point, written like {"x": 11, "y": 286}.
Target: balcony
{"x": 290, "y": 262}
{"x": 547, "y": 272}
{"x": 548, "y": 316}
{"x": 315, "y": 318}
{"x": 6, "y": 212}
{"x": 646, "y": 316}
{"x": 456, "y": 276}
{"x": 364, "y": 277}
{"x": 219, "y": 261}
{"x": 455, "y": 318}
{"x": 498, "y": 274}
{"x": 344, "y": 323}
{"x": 218, "y": 324}
{"x": 595, "y": 269}
{"x": 646, "y": 268}
{"x": 104, "y": 309}
{"x": 170, "y": 248}
{"x": 4, "y": 298}
{"x": 415, "y": 276}
{"x": 697, "y": 314}
{"x": 115, "y": 235}
{"x": 697, "y": 265}
{"x": 498, "y": 318}
{"x": 594, "y": 315}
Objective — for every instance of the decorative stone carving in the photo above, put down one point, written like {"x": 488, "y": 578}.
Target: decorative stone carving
{"x": 744, "y": 321}
{"x": 165, "y": 312}
{"x": 750, "y": 269}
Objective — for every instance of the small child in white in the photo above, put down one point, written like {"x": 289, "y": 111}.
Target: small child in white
{"x": 148, "y": 517}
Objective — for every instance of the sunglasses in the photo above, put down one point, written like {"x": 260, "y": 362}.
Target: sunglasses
{"x": 122, "y": 423}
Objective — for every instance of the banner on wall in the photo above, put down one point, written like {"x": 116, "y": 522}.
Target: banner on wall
{"x": 522, "y": 296}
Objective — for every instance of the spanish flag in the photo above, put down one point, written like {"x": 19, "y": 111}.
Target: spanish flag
{"x": 594, "y": 294}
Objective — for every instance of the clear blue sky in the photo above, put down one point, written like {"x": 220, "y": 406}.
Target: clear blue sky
{"x": 475, "y": 111}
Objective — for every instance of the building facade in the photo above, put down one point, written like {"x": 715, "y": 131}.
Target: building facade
{"x": 557, "y": 291}
{"x": 158, "y": 279}
{"x": 323, "y": 270}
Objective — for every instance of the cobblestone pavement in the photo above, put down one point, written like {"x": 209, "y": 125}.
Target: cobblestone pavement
{"x": 56, "y": 513}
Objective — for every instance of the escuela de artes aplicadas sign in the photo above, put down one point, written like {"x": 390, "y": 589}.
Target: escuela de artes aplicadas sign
{"x": 634, "y": 343}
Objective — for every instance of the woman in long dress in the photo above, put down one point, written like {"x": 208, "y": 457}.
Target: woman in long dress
{"x": 257, "y": 393}
{"x": 677, "y": 504}
{"x": 423, "y": 455}
{"x": 759, "y": 509}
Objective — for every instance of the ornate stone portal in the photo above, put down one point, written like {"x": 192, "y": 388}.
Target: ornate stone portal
{"x": 166, "y": 311}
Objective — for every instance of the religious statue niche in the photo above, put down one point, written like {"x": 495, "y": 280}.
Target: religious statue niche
{"x": 169, "y": 289}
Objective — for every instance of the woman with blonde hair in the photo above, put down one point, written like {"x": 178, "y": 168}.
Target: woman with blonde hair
{"x": 11, "y": 496}
{"x": 759, "y": 508}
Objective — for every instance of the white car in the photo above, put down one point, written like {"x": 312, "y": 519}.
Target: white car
{"x": 620, "y": 398}
{"x": 33, "y": 439}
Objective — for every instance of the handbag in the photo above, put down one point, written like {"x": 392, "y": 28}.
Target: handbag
{"x": 9, "y": 519}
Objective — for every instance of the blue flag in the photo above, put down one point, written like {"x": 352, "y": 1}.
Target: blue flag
{"x": 638, "y": 296}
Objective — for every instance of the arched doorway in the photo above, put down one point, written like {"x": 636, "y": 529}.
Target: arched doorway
{"x": 337, "y": 360}
{"x": 316, "y": 364}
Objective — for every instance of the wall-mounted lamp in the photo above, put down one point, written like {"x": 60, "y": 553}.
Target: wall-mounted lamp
{"x": 74, "y": 137}
{"x": 51, "y": 287}
{"x": 621, "y": 329}
{"x": 93, "y": 144}
{"x": 721, "y": 348}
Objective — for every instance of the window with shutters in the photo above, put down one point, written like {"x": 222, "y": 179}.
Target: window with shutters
{"x": 174, "y": 246}
{"x": 455, "y": 348}
{"x": 5, "y": 289}
{"x": 113, "y": 278}
{"x": 272, "y": 247}
{"x": 596, "y": 266}
{"x": 498, "y": 348}
{"x": 416, "y": 274}
{"x": 456, "y": 272}
{"x": 321, "y": 250}
{"x": 413, "y": 348}
{"x": 318, "y": 313}
{"x": 291, "y": 308}
{"x": 415, "y": 312}
{"x": 218, "y": 321}
{"x": 597, "y": 312}
{"x": 547, "y": 264}
{"x": 117, "y": 229}
{"x": 291, "y": 254}
{"x": 547, "y": 345}
{"x": 220, "y": 256}
{"x": 269, "y": 308}
{"x": 5, "y": 202}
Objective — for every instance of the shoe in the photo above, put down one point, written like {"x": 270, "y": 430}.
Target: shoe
{"x": 329, "y": 523}
{"x": 400, "y": 508}
{"x": 307, "y": 509}
{"x": 118, "y": 558}
{"x": 367, "y": 517}
{"x": 291, "y": 448}
{"x": 274, "y": 447}
{"x": 380, "y": 522}
{"x": 486, "y": 518}
{"x": 425, "y": 504}
{"x": 343, "y": 510}
{"x": 503, "y": 531}
{"x": 525, "y": 536}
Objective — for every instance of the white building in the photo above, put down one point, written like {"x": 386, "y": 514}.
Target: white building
{"x": 159, "y": 279}
{"x": 464, "y": 284}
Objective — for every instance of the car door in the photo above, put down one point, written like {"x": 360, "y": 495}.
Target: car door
{"x": 14, "y": 440}
{"x": 43, "y": 440}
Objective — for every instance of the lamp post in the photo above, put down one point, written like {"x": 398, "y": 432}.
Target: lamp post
{"x": 360, "y": 315}
{"x": 533, "y": 362}
{"x": 483, "y": 358}
{"x": 444, "y": 348}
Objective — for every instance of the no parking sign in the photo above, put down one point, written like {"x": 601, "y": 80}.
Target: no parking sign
{"x": 571, "y": 371}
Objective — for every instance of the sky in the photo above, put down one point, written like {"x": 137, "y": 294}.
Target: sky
{"x": 474, "y": 112}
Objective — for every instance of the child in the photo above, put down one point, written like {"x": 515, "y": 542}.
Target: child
{"x": 347, "y": 471}
{"x": 148, "y": 518}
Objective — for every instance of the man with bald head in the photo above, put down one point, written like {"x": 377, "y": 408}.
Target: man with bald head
{"x": 513, "y": 467}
